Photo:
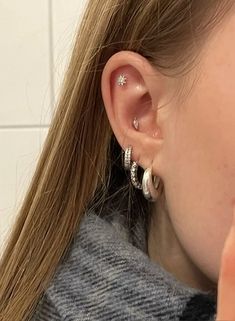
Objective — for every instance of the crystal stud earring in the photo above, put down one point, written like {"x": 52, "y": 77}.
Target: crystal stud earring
{"x": 136, "y": 123}
{"x": 121, "y": 80}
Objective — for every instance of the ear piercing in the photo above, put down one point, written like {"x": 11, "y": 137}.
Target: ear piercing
{"x": 150, "y": 184}
{"x": 136, "y": 123}
{"x": 121, "y": 80}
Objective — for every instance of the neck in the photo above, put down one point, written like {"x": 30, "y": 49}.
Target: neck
{"x": 165, "y": 249}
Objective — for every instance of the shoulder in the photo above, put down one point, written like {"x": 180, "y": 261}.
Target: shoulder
{"x": 46, "y": 310}
{"x": 79, "y": 282}
{"x": 105, "y": 277}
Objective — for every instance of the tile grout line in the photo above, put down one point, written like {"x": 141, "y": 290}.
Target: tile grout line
{"x": 5, "y": 127}
{"x": 51, "y": 53}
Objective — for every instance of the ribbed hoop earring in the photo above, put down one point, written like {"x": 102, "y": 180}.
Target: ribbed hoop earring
{"x": 150, "y": 185}
{"x": 134, "y": 177}
{"x": 126, "y": 161}
{"x": 132, "y": 166}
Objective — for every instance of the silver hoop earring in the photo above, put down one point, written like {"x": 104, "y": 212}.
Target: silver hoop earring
{"x": 134, "y": 177}
{"x": 150, "y": 185}
{"x": 132, "y": 166}
{"x": 127, "y": 158}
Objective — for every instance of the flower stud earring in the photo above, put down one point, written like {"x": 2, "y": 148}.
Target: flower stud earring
{"x": 121, "y": 80}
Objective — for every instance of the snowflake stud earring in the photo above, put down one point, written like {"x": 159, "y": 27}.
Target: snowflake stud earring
{"x": 121, "y": 80}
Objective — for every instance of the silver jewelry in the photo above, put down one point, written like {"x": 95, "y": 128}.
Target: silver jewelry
{"x": 134, "y": 178}
{"x": 136, "y": 123}
{"x": 150, "y": 184}
{"x": 127, "y": 158}
{"x": 121, "y": 80}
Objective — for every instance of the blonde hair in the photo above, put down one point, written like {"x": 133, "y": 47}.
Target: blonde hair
{"x": 80, "y": 165}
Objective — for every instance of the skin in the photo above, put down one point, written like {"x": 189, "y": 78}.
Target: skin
{"x": 226, "y": 283}
{"x": 190, "y": 144}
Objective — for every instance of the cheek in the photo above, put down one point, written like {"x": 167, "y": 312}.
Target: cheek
{"x": 200, "y": 183}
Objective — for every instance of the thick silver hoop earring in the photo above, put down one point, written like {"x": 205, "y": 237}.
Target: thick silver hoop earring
{"x": 127, "y": 158}
{"x": 134, "y": 177}
{"x": 150, "y": 185}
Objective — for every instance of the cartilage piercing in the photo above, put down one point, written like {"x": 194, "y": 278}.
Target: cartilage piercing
{"x": 121, "y": 80}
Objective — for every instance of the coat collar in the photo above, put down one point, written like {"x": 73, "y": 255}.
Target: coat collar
{"x": 107, "y": 275}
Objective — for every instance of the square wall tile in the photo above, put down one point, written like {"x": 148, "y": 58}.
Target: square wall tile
{"x": 66, "y": 17}
{"x": 20, "y": 149}
{"x": 25, "y": 62}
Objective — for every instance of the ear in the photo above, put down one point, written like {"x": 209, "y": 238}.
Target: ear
{"x": 140, "y": 97}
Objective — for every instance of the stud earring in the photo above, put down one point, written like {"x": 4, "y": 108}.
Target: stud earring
{"x": 121, "y": 80}
{"x": 136, "y": 123}
{"x": 150, "y": 184}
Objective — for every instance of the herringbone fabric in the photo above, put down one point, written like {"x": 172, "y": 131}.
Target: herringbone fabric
{"x": 107, "y": 275}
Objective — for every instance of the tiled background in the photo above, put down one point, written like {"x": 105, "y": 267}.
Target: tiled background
{"x": 36, "y": 41}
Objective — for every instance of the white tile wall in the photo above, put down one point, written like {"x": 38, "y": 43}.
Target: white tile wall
{"x": 24, "y": 63}
{"x": 66, "y": 18}
{"x": 36, "y": 41}
{"x": 20, "y": 149}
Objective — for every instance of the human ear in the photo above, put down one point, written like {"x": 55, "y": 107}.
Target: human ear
{"x": 138, "y": 99}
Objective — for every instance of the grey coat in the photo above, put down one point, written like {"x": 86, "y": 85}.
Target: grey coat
{"x": 107, "y": 275}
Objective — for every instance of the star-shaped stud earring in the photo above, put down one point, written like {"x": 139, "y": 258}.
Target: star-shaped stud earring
{"x": 121, "y": 80}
